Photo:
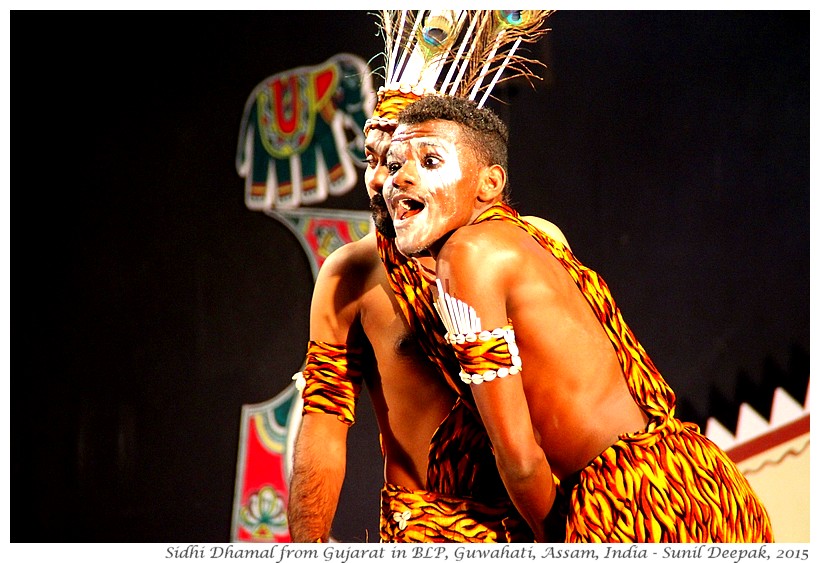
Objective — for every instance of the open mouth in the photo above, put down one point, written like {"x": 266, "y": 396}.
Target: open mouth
{"x": 404, "y": 208}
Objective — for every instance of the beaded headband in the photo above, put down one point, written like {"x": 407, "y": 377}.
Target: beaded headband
{"x": 472, "y": 45}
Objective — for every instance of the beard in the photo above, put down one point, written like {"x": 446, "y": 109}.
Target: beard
{"x": 381, "y": 216}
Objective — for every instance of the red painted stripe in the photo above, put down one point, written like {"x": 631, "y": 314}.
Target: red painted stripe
{"x": 770, "y": 439}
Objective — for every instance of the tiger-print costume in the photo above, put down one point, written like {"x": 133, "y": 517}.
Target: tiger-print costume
{"x": 422, "y": 516}
{"x": 333, "y": 380}
{"x": 460, "y": 462}
{"x": 666, "y": 484}
{"x": 486, "y": 355}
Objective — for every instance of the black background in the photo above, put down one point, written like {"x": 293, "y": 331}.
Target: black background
{"x": 150, "y": 304}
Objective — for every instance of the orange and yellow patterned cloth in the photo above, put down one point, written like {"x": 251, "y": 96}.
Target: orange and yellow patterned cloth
{"x": 423, "y": 516}
{"x": 667, "y": 484}
{"x": 333, "y": 380}
{"x": 461, "y": 463}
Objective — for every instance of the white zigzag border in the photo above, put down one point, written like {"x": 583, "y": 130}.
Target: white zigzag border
{"x": 751, "y": 424}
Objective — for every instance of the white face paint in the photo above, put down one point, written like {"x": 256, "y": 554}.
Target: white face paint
{"x": 431, "y": 188}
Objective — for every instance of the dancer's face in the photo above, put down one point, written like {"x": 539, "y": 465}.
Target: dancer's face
{"x": 431, "y": 190}
{"x": 376, "y": 145}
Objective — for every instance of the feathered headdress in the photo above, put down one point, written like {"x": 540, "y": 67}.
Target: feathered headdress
{"x": 449, "y": 52}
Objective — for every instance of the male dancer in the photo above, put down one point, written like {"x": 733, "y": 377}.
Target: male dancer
{"x": 581, "y": 422}
{"x": 436, "y": 454}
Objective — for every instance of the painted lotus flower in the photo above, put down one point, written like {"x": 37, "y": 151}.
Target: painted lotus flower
{"x": 264, "y": 513}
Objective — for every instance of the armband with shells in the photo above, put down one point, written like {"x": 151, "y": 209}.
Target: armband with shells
{"x": 483, "y": 354}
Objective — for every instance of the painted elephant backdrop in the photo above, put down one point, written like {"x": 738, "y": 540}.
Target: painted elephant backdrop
{"x": 671, "y": 147}
{"x": 301, "y": 134}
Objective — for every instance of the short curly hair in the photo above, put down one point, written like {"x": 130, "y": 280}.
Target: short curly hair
{"x": 485, "y": 132}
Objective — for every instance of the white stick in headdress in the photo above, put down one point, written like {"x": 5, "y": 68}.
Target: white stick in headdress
{"x": 498, "y": 74}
